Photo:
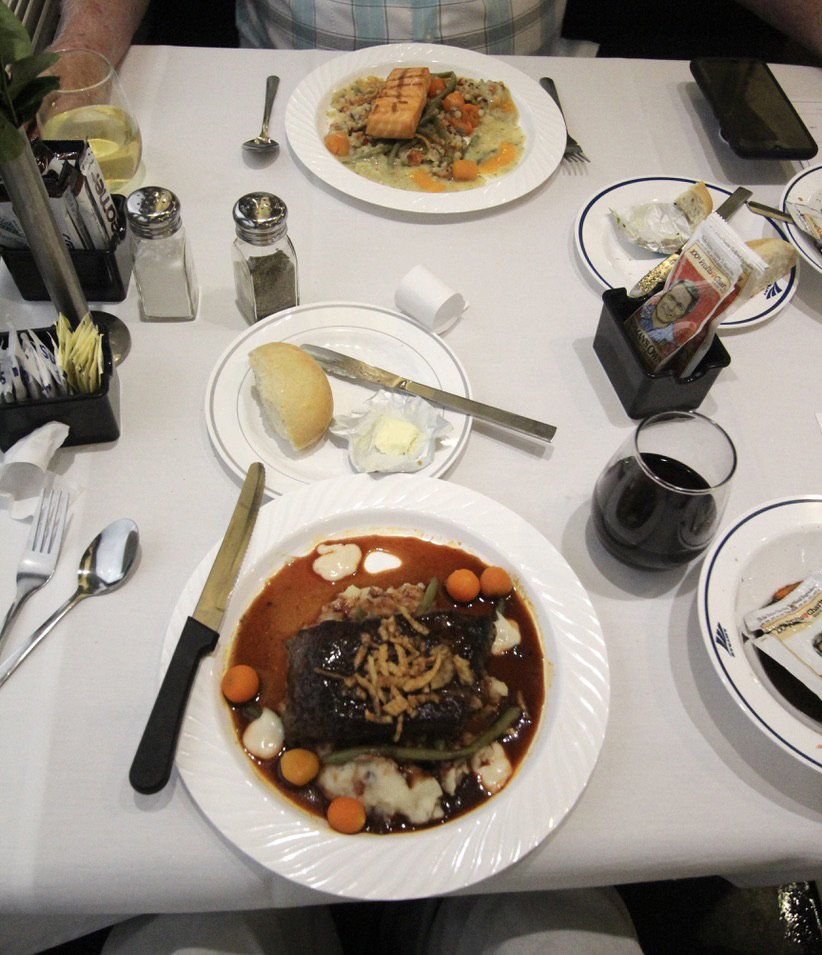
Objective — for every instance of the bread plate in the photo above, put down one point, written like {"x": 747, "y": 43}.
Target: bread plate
{"x": 377, "y": 335}
{"x": 806, "y": 186}
{"x": 765, "y": 548}
{"x": 548, "y": 782}
{"x": 306, "y": 124}
{"x": 616, "y": 263}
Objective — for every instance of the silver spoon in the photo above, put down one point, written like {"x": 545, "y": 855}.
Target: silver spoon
{"x": 264, "y": 143}
{"x": 119, "y": 337}
{"x": 105, "y": 565}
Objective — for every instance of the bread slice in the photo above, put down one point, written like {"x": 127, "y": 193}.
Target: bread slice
{"x": 780, "y": 257}
{"x": 695, "y": 203}
{"x": 397, "y": 110}
{"x": 293, "y": 392}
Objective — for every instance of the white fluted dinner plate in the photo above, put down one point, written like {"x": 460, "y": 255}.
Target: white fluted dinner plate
{"x": 772, "y": 545}
{"x": 376, "y": 335}
{"x": 616, "y": 263}
{"x": 549, "y": 780}
{"x": 306, "y": 123}
{"x": 806, "y": 186}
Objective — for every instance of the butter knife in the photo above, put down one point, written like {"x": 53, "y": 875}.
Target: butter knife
{"x": 151, "y": 768}
{"x": 660, "y": 272}
{"x": 345, "y": 367}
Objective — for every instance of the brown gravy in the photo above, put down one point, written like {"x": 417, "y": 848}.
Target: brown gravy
{"x": 291, "y": 601}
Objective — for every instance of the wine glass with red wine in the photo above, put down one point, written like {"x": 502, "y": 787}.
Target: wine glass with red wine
{"x": 658, "y": 503}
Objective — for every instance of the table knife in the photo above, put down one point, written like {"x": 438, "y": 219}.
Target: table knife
{"x": 660, "y": 272}
{"x": 345, "y": 367}
{"x": 151, "y": 768}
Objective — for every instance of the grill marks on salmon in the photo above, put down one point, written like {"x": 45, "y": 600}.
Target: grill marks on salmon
{"x": 397, "y": 110}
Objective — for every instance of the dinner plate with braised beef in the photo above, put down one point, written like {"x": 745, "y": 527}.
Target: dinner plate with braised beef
{"x": 410, "y": 691}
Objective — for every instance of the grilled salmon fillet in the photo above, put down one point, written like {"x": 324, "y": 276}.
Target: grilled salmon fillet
{"x": 397, "y": 110}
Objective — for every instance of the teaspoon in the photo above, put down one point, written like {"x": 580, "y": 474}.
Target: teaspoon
{"x": 105, "y": 565}
{"x": 264, "y": 143}
{"x": 119, "y": 337}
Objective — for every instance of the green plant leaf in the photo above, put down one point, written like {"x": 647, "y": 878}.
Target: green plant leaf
{"x": 12, "y": 141}
{"x": 28, "y": 101}
{"x": 25, "y": 70}
{"x": 21, "y": 87}
{"x": 14, "y": 41}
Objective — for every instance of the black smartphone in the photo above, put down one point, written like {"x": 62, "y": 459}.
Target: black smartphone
{"x": 755, "y": 116}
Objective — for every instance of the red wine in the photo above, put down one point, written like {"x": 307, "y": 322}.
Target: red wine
{"x": 651, "y": 526}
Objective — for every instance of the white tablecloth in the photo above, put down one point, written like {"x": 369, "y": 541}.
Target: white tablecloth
{"x": 685, "y": 784}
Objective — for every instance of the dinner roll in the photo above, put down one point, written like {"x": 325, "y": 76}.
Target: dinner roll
{"x": 780, "y": 257}
{"x": 293, "y": 392}
{"x": 695, "y": 203}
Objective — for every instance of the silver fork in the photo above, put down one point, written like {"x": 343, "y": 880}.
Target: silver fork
{"x": 573, "y": 150}
{"x": 42, "y": 550}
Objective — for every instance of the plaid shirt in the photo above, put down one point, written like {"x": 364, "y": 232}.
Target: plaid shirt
{"x": 490, "y": 26}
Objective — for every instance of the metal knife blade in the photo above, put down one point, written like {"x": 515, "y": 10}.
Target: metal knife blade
{"x": 768, "y": 211}
{"x": 345, "y": 367}
{"x": 151, "y": 768}
{"x": 660, "y": 272}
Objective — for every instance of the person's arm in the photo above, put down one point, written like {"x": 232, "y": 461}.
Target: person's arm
{"x": 106, "y": 26}
{"x": 799, "y": 19}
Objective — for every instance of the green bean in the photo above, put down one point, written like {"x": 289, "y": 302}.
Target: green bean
{"x": 428, "y": 597}
{"x": 435, "y": 103}
{"x": 427, "y": 755}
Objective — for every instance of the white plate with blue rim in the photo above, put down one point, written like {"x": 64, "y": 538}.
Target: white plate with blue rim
{"x": 615, "y": 263}
{"x": 806, "y": 187}
{"x": 769, "y": 546}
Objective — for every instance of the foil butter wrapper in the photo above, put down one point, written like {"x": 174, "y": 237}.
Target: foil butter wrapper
{"x": 391, "y": 433}
{"x": 657, "y": 226}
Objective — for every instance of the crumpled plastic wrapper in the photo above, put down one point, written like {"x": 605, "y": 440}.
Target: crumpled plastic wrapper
{"x": 656, "y": 226}
{"x": 391, "y": 432}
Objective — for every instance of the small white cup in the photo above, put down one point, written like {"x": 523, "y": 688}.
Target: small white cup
{"x": 428, "y": 300}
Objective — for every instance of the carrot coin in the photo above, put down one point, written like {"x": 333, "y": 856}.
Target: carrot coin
{"x": 240, "y": 683}
{"x": 495, "y": 582}
{"x": 346, "y": 814}
{"x": 463, "y": 585}
{"x": 299, "y": 766}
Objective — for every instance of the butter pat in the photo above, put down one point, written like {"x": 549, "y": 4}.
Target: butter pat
{"x": 392, "y": 432}
{"x": 395, "y": 436}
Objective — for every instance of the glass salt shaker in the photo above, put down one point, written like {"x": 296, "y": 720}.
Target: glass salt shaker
{"x": 163, "y": 265}
{"x": 265, "y": 263}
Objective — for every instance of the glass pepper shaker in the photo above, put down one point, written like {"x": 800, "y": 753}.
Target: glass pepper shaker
{"x": 163, "y": 265}
{"x": 265, "y": 263}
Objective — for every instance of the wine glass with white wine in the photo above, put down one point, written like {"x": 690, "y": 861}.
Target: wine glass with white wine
{"x": 91, "y": 104}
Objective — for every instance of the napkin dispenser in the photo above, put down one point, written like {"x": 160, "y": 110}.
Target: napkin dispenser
{"x": 91, "y": 419}
{"x": 641, "y": 392}
{"x": 104, "y": 274}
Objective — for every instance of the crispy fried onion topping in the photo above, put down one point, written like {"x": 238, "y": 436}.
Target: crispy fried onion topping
{"x": 396, "y": 672}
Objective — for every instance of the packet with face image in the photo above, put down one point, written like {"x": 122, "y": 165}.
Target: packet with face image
{"x": 706, "y": 272}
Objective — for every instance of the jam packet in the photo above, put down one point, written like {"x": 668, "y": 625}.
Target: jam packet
{"x": 706, "y": 273}
{"x": 790, "y": 631}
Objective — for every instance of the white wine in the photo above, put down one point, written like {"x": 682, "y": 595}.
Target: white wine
{"x": 112, "y": 134}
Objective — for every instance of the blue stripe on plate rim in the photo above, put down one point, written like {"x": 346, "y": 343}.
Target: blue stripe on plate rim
{"x": 778, "y": 295}
{"x": 712, "y": 628}
{"x": 794, "y": 231}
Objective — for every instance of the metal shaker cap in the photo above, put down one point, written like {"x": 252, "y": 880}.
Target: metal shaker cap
{"x": 260, "y": 218}
{"x": 153, "y": 212}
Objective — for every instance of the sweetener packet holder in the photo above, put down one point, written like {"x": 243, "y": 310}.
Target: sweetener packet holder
{"x": 104, "y": 274}
{"x": 92, "y": 419}
{"x": 641, "y": 392}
